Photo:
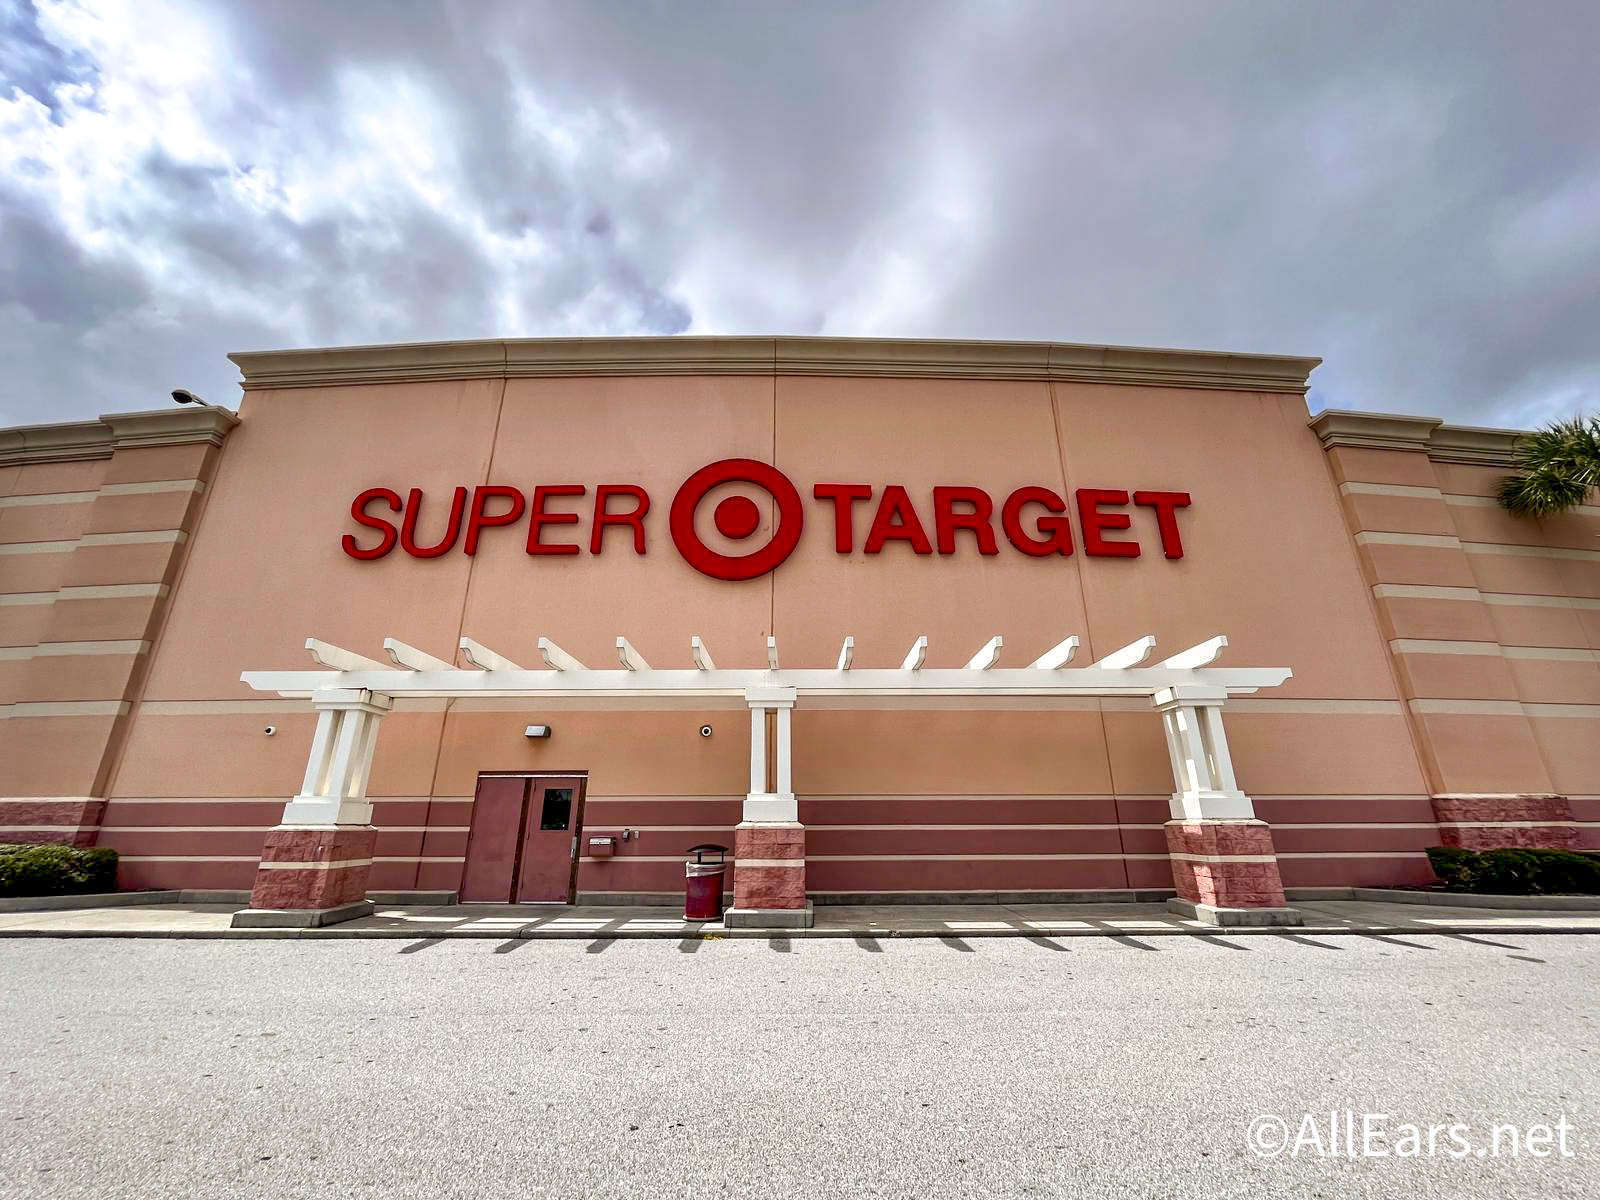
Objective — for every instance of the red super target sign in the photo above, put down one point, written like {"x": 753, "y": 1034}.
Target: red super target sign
{"x": 1036, "y": 521}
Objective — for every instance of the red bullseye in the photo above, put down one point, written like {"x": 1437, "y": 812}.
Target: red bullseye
{"x": 737, "y": 517}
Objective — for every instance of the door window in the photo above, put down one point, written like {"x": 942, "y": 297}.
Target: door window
{"x": 557, "y": 810}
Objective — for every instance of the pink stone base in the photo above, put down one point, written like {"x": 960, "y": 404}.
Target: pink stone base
{"x": 766, "y": 887}
{"x": 76, "y": 822}
{"x": 318, "y": 884}
{"x": 1199, "y": 879}
{"x": 1458, "y": 817}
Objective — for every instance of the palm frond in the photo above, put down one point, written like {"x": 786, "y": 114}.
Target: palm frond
{"x": 1557, "y": 468}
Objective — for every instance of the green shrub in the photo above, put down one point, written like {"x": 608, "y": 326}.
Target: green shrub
{"x": 1514, "y": 872}
{"x": 55, "y": 870}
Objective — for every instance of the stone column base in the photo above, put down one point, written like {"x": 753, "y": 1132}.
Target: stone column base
{"x": 769, "y": 866}
{"x": 1225, "y": 871}
{"x": 1514, "y": 820}
{"x": 1210, "y": 914}
{"x": 308, "y": 874}
{"x": 768, "y": 918}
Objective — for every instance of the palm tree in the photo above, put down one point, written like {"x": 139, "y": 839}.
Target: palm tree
{"x": 1558, "y": 466}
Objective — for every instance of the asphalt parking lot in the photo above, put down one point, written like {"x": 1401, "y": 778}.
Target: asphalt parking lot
{"x": 930, "y": 1067}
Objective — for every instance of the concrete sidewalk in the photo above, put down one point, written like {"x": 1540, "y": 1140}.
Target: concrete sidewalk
{"x": 506, "y": 921}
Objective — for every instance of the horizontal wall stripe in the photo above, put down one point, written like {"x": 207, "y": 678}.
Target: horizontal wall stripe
{"x": 1423, "y": 591}
{"x": 764, "y": 862}
{"x": 1433, "y": 541}
{"x": 1224, "y": 858}
{"x": 1447, "y": 541}
{"x": 1535, "y": 601}
{"x": 138, "y": 538}
{"x": 1419, "y": 591}
{"x": 143, "y": 537}
{"x": 1356, "y": 854}
{"x": 1495, "y": 650}
{"x": 678, "y": 858}
{"x": 1390, "y": 489}
{"x": 64, "y": 708}
{"x": 1502, "y": 708}
{"x": 840, "y": 798}
{"x": 38, "y": 547}
{"x": 41, "y": 498}
{"x": 71, "y": 649}
{"x": 338, "y": 864}
{"x": 1519, "y": 551}
{"x": 110, "y": 591}
{"x": 597, "y": 829}
{"x": 281, "y": 799}
{"x": 1254, "y": 704}
{"x": 150, "y": 487}
{"x": 258, "y": 828}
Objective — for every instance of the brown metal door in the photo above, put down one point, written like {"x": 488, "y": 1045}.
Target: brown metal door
{"x": 550, "y": 840}
{"x": 498, "y": 811}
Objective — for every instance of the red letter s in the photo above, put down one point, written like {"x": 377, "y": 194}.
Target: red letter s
{"x": 358, "y": 511}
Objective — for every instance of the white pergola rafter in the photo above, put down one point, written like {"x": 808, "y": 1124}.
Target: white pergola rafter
{"x": 1185, "y": 688}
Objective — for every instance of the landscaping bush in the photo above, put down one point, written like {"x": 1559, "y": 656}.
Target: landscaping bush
{"x": 55, "y": 870}
{"x": 1512, "y": 872}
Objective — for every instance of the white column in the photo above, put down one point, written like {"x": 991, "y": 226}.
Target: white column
{"x": 335, "y": 787}
{"x": 1202, "y": 768}
{"x": 758, "y": 749}
{"x": 785, "y": 759}
{"x": 760, "y": 804}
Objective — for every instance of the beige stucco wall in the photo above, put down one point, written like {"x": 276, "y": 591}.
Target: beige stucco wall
{"x": 1340, "y": 760}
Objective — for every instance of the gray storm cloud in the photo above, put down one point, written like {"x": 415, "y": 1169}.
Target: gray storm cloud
{"x": 1411, "y": 191}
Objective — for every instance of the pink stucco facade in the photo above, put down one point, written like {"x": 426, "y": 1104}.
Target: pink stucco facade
{"x": 1440, "y": 648}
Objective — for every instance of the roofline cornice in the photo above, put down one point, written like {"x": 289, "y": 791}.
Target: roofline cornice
{"x": 1467, "y": 444}
{"x": 821, "y": 356}
{"x": 78, "y": 441}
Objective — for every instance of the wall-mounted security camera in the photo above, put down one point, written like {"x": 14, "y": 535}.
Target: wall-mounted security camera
{"x": 536, "y": 731}
{"x": 270, "y": 730}
{"x": 705, "y": 731}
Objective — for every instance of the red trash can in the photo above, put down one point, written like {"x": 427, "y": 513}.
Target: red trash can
{"x": 702, "y": 884}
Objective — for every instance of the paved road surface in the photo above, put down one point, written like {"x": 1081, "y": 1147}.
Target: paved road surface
{"x": 1009, "y": 1067}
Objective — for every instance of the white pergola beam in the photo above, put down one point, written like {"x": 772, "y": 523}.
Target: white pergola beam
{"x": 338, "y": 658}
{"x": 772, "y": 654}
{"x": 632, "y": 660}
{"x": 1058, "y": 655}
{"x": 847, "y": 653}
{"x": 986, "y": 658}
{"x": 1203, "y": 655}
{"x": 701, "y": 656}
{"x": 916, "y": 656}
{"x": 411, "y": 659}
{"x": 484, "y": 658}
{"x": 1131, "y": 655}
{"x": 558, "y": 659}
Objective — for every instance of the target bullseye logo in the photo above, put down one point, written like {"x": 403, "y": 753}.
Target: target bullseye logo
{"x": 736, "y": 518}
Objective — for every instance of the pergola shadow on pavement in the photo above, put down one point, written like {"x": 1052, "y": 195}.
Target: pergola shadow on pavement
{"x": 507, "y": 922}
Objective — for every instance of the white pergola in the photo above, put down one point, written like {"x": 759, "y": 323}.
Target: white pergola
{"x": 351, "y": 693}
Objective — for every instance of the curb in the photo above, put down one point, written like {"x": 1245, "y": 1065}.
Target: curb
{"x": 333, "y": 933}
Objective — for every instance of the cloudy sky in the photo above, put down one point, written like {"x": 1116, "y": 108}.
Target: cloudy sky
{"x": 1410, "y": 190}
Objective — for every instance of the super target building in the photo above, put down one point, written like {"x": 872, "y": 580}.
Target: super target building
{"x": 524, "y": 620}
